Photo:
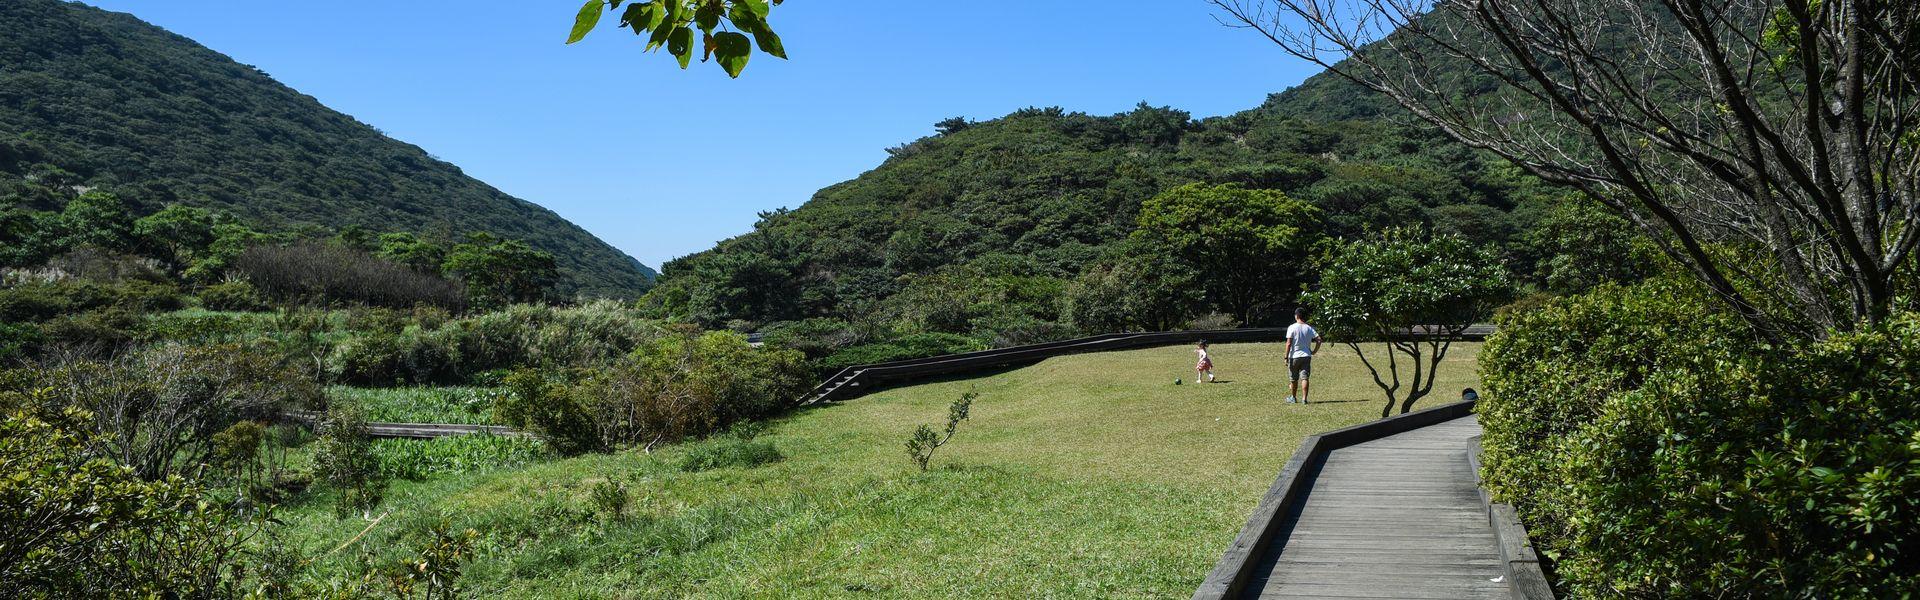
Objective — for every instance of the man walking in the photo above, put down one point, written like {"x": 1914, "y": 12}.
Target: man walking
{"x": 1302, "y": 343}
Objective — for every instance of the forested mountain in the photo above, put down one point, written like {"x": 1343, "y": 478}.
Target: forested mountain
{"x": 1005, "y": 221}
{"x": 95, "y": 99}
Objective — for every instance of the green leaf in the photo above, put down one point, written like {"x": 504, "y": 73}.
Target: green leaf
{"x": 760, "y": 8}
{"x": 643, "y": 17}
{"x": 582, "y": 23}
{"x": 733, "y": 51}
{"x": 680, "y": 43}
{"x": 661, "y": 31}
{"x": 769, "y": 42}
{"x": 707, "y": 16}
{"x": 744, "y": 17}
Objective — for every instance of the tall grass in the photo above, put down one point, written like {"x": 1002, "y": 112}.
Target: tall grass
{"x": 456, "y": 405}
{"x": 422, "y": 459}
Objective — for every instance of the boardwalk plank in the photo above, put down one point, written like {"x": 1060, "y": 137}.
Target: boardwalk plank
{"x": 1397, "y": 517}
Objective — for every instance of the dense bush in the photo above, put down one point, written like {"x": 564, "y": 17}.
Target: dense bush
{"x": 17, "y": 341}
{"x": 312, "y": 271}
{"x": 159, "y": 409}
{"x": 817, "y": 337}
{"x": 43, "y": 300}
{"x": 902, "y": 348}
{"x": 539, "y": 335}
{"x": 236, "y": 295}
{"x": 390, "y": 348}
{"x": 383, "y": 358}
{"x": 81, "y": 526}
{"x": 1656, "y": 450}
{"x": 671, "y": 388}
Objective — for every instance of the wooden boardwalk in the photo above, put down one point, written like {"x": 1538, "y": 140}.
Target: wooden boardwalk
{"x": 1396, "y": 517}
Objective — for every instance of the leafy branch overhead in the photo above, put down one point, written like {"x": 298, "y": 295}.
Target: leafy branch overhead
{"x": 723, "y": 26}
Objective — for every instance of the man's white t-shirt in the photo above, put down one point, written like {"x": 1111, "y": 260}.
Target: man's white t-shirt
{"x": 1301, "y": 334}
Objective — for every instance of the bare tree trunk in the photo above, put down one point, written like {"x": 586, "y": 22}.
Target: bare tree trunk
{"x": 1725, "y": 130}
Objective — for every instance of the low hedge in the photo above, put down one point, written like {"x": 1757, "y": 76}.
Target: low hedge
{"x": 1656, "y": 449}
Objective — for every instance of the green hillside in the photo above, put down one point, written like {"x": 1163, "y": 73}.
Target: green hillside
{"x": 100, "y": 99}
{"x": 1050, "y": 196}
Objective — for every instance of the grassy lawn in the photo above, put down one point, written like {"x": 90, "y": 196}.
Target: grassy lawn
{"x": 1082, "y": 476}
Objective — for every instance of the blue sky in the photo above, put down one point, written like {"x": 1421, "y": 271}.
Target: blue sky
{"x": 663, "y": 163}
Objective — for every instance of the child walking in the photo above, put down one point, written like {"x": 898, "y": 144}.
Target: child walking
{"x": 1205, "y": 365}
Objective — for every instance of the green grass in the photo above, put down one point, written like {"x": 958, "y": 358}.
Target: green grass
{"x": 422, "y": 459}
{"x": 1084, "y": 476}
{"x": 457, "y": 405}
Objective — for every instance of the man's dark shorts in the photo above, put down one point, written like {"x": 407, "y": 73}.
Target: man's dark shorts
{"x": 1298, "y": 367}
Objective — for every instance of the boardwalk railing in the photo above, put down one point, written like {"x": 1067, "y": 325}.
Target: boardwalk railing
{"x": 1230, "y": 576}
{"x": 858, "y": 379}
{"x": 418, "y": 431}
{"x": 1517, "y": 558}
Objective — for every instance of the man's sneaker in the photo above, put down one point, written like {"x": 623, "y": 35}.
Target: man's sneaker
{"x": 1289, "y": 399}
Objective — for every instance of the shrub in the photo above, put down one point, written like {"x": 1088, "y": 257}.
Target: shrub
{"x": 919, "y": 345}
{"x": 545, "y": 403}
{"x": 526, "y": 335}
{"x": 433, "y": 572}
{"x": 40, "y": 301}
{"x": 729, "y": 451}
{"x": 147, "y": 296}
{"x": 236, "y": 450}
{"x": 1007, "y": 328}
{"x": 235, "y": 295}
{"x": 920, "y": 447}
{"x": 610, "y": 498}
{"x": 94, "y": 264}
{"x": 80, "y": 526}
{"x": 160, "y": 409}
{"x": 671, "y": 388}
{"x": 96, "y": 333}
{"x": 345, "y": 460}
{"x": 1213, "y": 320}
{"x": 1656, "y": 450}
{"x": 312, "y": 271}
{"x": 191, "y": 327}
{"x": 815, "y": 337}
{"x": 411, "y": 356}
{"x": 391, "y": 348}
{"x": 18, "y": 341}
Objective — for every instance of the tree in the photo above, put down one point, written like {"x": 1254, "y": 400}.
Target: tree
{"x": 1578, "y": 246}
{"x": 1141, "y": 291}
{"x": 498, "y": 272}
{"x": 97, "y": 219}
{"x": 1383, "y": 288}
{"x": 1249, "y": 248}
{"x": 176, "y": 235}
{"x": 925, "y": 440}
{"x": 671, "y": 24}
{"x": 345, "y": 459}
{"x": 1784, "y": 130}
{"x": 410, "y": 250}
